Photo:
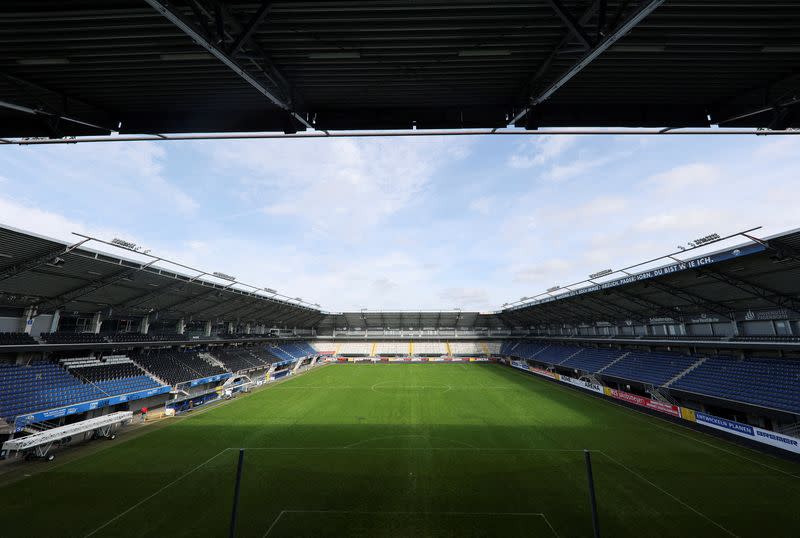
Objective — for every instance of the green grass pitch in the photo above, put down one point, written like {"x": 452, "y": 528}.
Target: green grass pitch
{"x": 412, "y": 450}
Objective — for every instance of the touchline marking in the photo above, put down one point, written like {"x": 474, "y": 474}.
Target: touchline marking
{"x": 681, "y": 426}
{"x": 409, "y": 513}
{"x": 350, "y": 448}
{"x": 184, "y": 475}
{"x": 667, "y": 493}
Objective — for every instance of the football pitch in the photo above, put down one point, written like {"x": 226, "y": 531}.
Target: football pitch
{"x": 412, "y": 450}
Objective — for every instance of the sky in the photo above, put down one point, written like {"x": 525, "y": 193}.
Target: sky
{"x": 407, "y": 223}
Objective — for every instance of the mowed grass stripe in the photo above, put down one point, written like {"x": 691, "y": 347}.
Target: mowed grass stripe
{"x": 498, "y": 441}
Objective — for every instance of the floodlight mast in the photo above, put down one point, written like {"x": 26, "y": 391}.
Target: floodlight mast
{"x": 626, "y": 270}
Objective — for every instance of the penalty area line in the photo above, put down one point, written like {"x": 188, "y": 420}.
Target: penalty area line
{"x": 668, "y": 494}
{"x": 138, "y": 504}
{"x": 410, "y": 513}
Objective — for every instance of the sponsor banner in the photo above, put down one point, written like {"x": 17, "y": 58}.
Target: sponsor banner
{"x": 210, "y": 379}
{"x": 753, "y": 433}
{"x": 688, "y": 414}
{"x": 545, "y": 373}
{"x": 642, "y": 401}
{"x": 762, "y": 315}
{"x": 50, "y": 414}
{"x": 588, "y": 385}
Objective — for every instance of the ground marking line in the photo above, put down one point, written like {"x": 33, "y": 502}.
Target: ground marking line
{"x": 274, "y": 521}
{"x": 682, "y": 426}
{"x": 403, "y": 512}
{"x": 662, "y": 490}
{"x": 464, "y": 448}
{"x": 184, "y": 475}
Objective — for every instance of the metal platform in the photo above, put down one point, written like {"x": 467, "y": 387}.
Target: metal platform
{"x": 39, "y": 444}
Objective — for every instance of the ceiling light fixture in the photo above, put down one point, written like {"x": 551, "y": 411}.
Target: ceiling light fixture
{"x": 483, "y": 52}
{"x": 43, "y": 61}
{"x": 342, "y": 55}
{"x": 182, "y": 56}
{"x": 638, "y": 48}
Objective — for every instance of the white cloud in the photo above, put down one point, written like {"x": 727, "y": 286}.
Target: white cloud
{"x": 482, "y": 204}
{"x": 541, "y": 149}
{"x": 124, "y": 175}
{"x": 475, "y": 298}
{"x": 348, "y": 185}
{"x": 577, "y": 167}
{"x": 679, "y": 178}
{"x": 334, "y": 221}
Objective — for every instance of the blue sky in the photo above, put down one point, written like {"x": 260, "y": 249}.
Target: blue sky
{"x": 409, "y": 223}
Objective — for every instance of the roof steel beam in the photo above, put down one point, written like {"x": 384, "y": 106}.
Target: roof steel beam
{"x": 53, "y": 114}
{"x": 232, "y": 63}
{"x": 33, "y": 262}
{"x": 94, "y": 285}
{"x": 693, "y": 299}
{"x": 644, "y": 9}
{"x": 249, "y": 28}
{"x": 767, "y": 294}
{"x": 574, "y": 26}
{"x": 183, "y": 303}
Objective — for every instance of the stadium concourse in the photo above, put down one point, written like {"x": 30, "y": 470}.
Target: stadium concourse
{"x": 96, "y": 337}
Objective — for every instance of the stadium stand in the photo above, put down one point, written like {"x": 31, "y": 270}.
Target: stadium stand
{"x": 494, "y": 347}
{"x": 291, "y": 351}
{"x": 466, "y": 349}
{"x": 391, "y": 348}
{"x": 72, "y": 338}
{"x": 430, "y": 348}
{"x": 237, "y": 359}
{"x": 765, "y": 382}
{"x": 16, "y": 339}
{"x": 593, "y": 360}
{"x": 556, "y": 354}
{"x": 138, "y": 337}
{"x": 176, "y": 367}
{"x": 43, "y": 385}
{"x": 654, "y": 368}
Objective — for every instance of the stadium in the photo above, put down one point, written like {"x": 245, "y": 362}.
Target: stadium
{"x": 444, "y": 156}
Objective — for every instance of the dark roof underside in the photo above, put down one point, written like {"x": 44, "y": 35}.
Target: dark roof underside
{"x": 383, "y": 64}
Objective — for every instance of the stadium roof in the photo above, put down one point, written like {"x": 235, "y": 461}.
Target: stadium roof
{"x": 751, "y": 281}
{"x": 759, "y": 276}
{"x": 151, "y": 66}
{"x": 50, "y": 275}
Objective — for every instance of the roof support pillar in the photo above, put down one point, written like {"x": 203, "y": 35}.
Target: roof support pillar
{"x": 97, "y": 321}
{"x": 144, "y": 325}
{"x": 55, "y": 320}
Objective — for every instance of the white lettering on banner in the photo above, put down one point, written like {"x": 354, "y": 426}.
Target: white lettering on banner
{"x": 588, "y": 385}
{"x": 749, "y": 432}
